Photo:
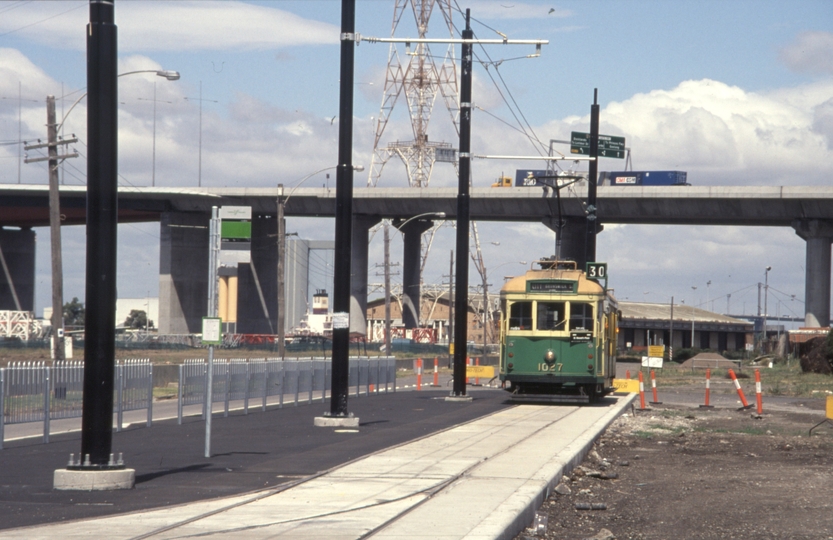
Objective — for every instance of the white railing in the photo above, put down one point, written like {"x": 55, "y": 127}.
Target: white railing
{"x": 36, "y": 392}
{"x": 293, "y": 380}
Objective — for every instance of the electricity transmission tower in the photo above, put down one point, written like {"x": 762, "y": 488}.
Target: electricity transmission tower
{"x": 419, "y": 81}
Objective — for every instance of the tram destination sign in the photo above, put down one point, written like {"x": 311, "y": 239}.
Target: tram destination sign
{"x": 551, "y": 286}
{"x": 609, "y": 146}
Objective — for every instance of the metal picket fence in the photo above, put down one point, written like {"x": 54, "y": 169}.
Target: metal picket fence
{"x": 292, "y": 380}
{"x": 36, "y": 392}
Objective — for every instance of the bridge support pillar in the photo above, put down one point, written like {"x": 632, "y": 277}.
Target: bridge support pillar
{"x": 358, "y": 269}
{"x": 573, "y": 238}
{"x": 818, "y": 234}
{"x": 411, "y": 266}
{"x": 183, "y": 272}
{"x": 17, "y": 269}
{"x": 257, "y": 303}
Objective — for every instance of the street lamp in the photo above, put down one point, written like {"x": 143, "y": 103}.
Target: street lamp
{"x": 766, "y": 296}
{"x": 168, "y": 74}
{"x": 438, "y": 215}
{"x": 153, "y": 175}
{"x": 281, "y": 204}
{"x": 55, "y": 212}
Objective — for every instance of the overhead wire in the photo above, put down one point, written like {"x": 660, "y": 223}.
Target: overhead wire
{"x": 42, "y": 20}
{"x": 522, "y": 121}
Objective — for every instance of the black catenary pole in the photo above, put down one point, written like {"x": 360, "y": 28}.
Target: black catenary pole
{"x": 593, "y": 175}
{"x": 462, "y": 276}
{"x": 344, "y": 216}
{"x": 102, "y": 221}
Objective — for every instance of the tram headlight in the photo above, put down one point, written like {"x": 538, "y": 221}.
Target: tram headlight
{"x": 549, "y": 357}
{"x": 590, "y": 368}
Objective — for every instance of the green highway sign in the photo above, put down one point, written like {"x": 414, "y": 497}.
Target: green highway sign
{"x": 609, "y": 146}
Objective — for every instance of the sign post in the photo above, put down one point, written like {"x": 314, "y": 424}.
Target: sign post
{"x": 212, "y": 331}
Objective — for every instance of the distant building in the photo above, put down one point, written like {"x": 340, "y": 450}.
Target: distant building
{"x": 433, "y": 319}
{"x": 692, "y": 327}
{"x": 149, "y": 305}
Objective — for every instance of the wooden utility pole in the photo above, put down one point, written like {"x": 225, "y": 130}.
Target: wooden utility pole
{"x": 54, "y": 223}
{"x": 55, "y": 235}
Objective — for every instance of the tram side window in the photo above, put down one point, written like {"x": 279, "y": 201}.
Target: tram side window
{"x": 520, "y": 316}
{"x": 551, "y": 315}
{"x": 581, "y": 316}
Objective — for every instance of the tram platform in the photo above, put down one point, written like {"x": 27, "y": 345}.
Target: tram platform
{"x": 418, "y": 466}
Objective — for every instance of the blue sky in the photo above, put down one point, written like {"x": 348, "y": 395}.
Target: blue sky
{"x": 735, "y": 93}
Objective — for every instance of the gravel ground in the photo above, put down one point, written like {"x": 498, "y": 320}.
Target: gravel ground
{"x": 679, "y": 471}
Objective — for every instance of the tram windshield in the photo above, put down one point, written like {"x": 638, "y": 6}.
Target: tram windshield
{"x": 550, "y": 315}
{"x": 520, "y": 316}
{"x": 581, "y": 316}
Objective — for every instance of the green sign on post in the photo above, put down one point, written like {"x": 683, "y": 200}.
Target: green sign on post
{"x": 609, "y": 146}
{"x": 597, "y": 270}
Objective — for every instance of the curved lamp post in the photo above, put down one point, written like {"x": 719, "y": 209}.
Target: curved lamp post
{"x": 54, "y": 216}
{"x": 281, "y": 204}
{"x": 438, "y": 215}
{"x": 766, "y": 297}
{"x": 168, "y": 74}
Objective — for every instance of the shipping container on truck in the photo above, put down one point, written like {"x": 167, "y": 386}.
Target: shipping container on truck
{"x": 529, "y": 177}
{"x": 643, "y": 178}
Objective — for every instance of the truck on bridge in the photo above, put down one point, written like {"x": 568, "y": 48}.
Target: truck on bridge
{"x": 536, "y": 177}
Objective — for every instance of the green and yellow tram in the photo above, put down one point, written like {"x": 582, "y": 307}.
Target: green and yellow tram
{"x": 557, "y": 335}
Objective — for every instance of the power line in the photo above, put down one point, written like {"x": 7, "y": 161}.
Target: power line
{"x": 42, "y": 20}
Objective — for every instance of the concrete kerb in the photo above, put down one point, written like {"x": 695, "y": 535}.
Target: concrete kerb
{"x": 575, "y": 453}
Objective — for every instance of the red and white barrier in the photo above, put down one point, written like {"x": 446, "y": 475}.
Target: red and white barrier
{"x": 477, "y": 378}
{"x": 419, "y": 373}
{"x": 708, "y": 384}
{"x": 758, "y": 397}
{"x": 468, "y": 363}
{"x": 436, "y": 372}
{"x": 654, "y": 389}
{"x": 641, "y": 393}
{"x": 739, "y": 389}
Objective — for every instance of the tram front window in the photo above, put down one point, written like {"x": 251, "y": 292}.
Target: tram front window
{"x": 581, "y": 316}
{"x": 550, "y": 315}
{"x": 520, "y": 316}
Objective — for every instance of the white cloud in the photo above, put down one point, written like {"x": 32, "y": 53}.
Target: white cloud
{"x": 722, "y": 134}
{"x": 811, "y": 52}
{"x": 164, "y": 26}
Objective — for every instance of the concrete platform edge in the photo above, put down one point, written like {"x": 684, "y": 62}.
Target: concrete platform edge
{"x": 574, "y": 454}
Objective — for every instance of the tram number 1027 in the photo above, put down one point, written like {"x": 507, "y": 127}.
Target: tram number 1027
{"x": 549, "y": 367}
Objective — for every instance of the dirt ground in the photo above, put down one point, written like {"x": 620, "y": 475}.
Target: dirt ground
{"x": 679, "y": 471}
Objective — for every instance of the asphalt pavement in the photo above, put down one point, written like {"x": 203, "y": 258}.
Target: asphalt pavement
{"x": 413, "y": 452}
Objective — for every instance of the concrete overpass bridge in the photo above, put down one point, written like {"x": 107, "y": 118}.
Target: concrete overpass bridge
{"x": 183, "y": 214}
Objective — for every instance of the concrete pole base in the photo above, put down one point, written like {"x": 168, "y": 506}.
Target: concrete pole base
{"x": 459, "y": 399}
{"x": 65, "y": 479}
{"x": 336, "y": 421}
